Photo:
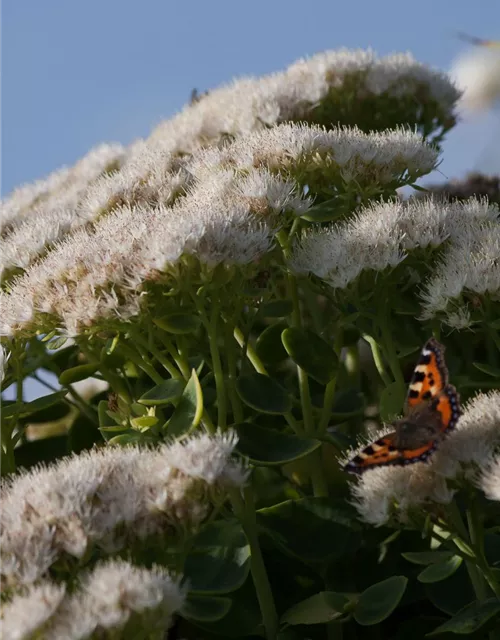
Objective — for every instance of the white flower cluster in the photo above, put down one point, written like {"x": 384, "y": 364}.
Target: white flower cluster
{"x": 471, "y": 265}
{"x": 151, "y": 171}
{"x": 386, "y": 491}
{"x": 98, "y": 271}
{"x": 106, "y": 495}
{"x": 345, "y": 152}
{"x": 250, "y": 104}
{"x": 147, "y": 177}
{"x": 380, "y": 235}
{"x": 105, "y": 599}
{"x": 66, "y": 183}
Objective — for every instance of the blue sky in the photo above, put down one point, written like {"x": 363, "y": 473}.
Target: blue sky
{"x": 76, "y": 73}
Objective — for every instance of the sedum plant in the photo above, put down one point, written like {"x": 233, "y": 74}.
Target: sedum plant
{"x": 246, "y": 293}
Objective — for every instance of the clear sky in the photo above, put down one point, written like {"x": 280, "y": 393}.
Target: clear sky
{"x": 79, "y": 72}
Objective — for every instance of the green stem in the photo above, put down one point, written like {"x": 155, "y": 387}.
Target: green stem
{"x": 220, "y": 384}
{"x": 390, "y": 352}
{"x": 82, "y": 405}
{"x": 258, "y": 365}
{"x": 9, "y": 461}
{"x": 315, "y": 462}
{"x": 328, "y": 402}
{"x": 141, "y": 362}
{"x": 250, "y": 352}
{"x": 352, "y": 365}
{"x": 476, "y": 532}
{"x": 233, "y": 373}
{"x": 162, "y": 359}
{"x": 179, "y": 359}
{"x": 305, "y": 394}
{"x": 245, "y": 510}
{"x": 378, "y": 359}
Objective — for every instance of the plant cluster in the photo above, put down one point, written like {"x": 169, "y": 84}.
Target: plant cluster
{"x": 246, "y": 294}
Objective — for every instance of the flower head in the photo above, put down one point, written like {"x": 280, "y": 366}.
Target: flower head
{"x": 114, "y": 591}
{"x": 489, "y": 479}
{"x": 26, "y": 614}
{"x": 104, "y": 496}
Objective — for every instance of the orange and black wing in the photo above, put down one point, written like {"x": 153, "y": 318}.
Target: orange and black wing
{"x": 382, "y": 452}
{"x": 447, "y": 405}
{"x": 430, "y": 376}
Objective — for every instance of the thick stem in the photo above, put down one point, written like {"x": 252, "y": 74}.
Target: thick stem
{"x": 328, "y": 401}
{"x": 233, "y": 373}
{"x": 179, "y": 360}
{"x": 220, "y": 384}
{"x": 315, "y": 463}
{"x": 390, "y": 352}
{"x": 245, "y": 510}
{"x": 141, "y": 362}
{"x": 162, "y": 359}
{"x": 378, "y": 359}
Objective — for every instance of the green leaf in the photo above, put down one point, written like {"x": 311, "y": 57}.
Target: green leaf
{"x": 34, "y": 408}
{"x": 243, "y": 619}
{"x": 324, "y": 211}
{"x": 263, "y": 394}
{"x": 488, "y": 369}
{"x": 391, "y": 401}
{"x": 107, "y": 424}
{"x": 126, "y": 438}
{"x": 205, "y": 608}
{"x": 268, "y": 345}
{"x": 417, "y": 187}
{"x": 10, "y": 408}
{"x": 164, "y": 393}
{"x": 53, "y": 413}
{"x": 348, "y": 403}
{"x": 276, "y": 309}
{"x": 295, "y": 524}
{"x": 495, "y": 324}
{"x": 57, "y": 343}
{"x": 143, "y": 423}
{"x": 264, "y": 446}
{"x": 315, "y": 356}
{"x": 451, "y": 594}
{"x": 30, "y": 408}
{"x": 219, "y": 560}
{"x": 318, "y": 609}
{"x": 470, "y": 618}
{"x": 46, "y": 450}
{"x": 83, "y": 434}
{"x": 440, "y": 570}
{"x": 378, "y": 601}
{"x": 427, "y": 557}
{"x": 178, "y": 323}
{"x": 102, "y": 411}
{"x": 82, "y": 372}
{"x": 188, "y": 412}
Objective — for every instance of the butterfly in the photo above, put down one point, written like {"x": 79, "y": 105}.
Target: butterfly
{"x": 432, "y": 409}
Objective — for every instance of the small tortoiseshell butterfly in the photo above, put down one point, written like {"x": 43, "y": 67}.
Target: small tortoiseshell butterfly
{"x": 432, "y": 409}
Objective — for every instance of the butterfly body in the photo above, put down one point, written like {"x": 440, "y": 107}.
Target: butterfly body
{"x": 432, "y": 409}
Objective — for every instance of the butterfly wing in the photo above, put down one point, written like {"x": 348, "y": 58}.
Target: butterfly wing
{"x": 383, "y": 452}
{"x": 430, "y": 376}
{"x": 447, "y": 406}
